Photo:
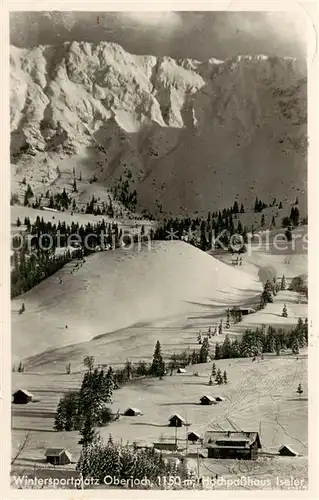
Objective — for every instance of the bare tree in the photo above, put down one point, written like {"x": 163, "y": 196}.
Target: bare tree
{"x": 88, "y": 361}
{"x": 21, "y": 447}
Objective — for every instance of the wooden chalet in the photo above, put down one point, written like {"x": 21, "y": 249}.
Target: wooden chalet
{"x": 193, "y": 437}
{"x": 176, "y": 421}
{"x": 207, "y": 400}
{"x": 287, "y": 451}
{"x": 219, "y": 399}
{"x": 21, "y": 396}
{"x": 132, "y": 412}
{"x": 232, "y": 444}
{"x": 58, "y": 456}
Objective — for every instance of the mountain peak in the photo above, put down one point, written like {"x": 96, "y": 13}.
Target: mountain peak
{"x": 177, "y": 124}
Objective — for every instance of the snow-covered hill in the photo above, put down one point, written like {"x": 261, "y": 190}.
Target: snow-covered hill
{"x": 114, "y": 290}
{"x": 189, "y": 135}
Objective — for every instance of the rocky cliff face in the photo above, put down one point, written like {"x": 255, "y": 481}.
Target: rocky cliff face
{"x": 190, "y": 135}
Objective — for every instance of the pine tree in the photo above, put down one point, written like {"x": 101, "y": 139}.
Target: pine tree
{"x": 256, "y": 207}
{"x": 218, "y": 351}
{"x": 199, "y": 338}
{"x": 128, "y": 368}
{"x": 284, "y": 312}
{"x": 220, "y": 328}
{"x": 68, "y": 368}
{"x": 87, "y": 432}
{"x": 295, "y": 346}
{"x": 267, "y": 294}
{"x": 158, "y": 366}
{"x": 306, "y": 330}
{"x": 204, "y": 351}
{"x": 299, "y": 389}
{"x": 225, "y": 380}
{"x": 67, "y": 416}
{"x": 219, "y": 377}
{"x": 235, "y": 208}
{"x": 214, "y": 370}
{"x": 59, "y": 418}
{"x": 262, "y": 221}
{"x": 274, "y": 285}
{"x": 235, "y": 348}
{"x": 18, "y": 223}
{"x": 109, "y": 385}
{"x": 226, "y": 349}
{"x": 242, "y": 209}
{"x": 283, "y": 283}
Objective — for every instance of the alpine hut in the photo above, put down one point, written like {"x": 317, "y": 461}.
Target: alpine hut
{"x": 176, "y": 421}
{"x": 287, "y": 451}
{"x": 219, "y": 398}
{"x": 58, "y": 456}
{"x": 132, "y": 412}
{"x": 22, "y": 397}
{"x": 193, "y": 437}
{"x": 232, "y": 444}
{"x": 207, "y": 400}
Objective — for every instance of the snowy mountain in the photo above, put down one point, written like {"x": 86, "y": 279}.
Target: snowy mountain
{"x": 188, "y": 135}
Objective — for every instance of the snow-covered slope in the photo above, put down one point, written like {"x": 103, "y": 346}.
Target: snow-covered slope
{"x": 193, "y": 134}
{"x": 119, "y": 289}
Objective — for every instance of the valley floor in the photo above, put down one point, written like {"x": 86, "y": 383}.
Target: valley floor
{"x": 260, "y": 396}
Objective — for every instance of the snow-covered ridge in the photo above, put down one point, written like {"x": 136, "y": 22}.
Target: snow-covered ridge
{"x": 158, "y": 115}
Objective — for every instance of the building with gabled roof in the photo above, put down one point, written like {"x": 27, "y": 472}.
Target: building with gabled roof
{"x": 287, "y": 451}
{"x": 193, "y": 437}
{"x": 132, "y": 412}
{"x": 219, "y": 398}
{"x": 58, "y": 456}
{"x": 232, "y": 444}
{"x": 176, "y": 421}
{"x": 207, "y": 400}
{"x": 22, "y": 396}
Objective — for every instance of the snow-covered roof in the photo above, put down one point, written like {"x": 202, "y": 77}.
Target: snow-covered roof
{"x": 136, "y": 410}
{"x": 210, "y": 398}
{"x": 287, "y": 447}
{"x": 56, "y": 452}
{"x": 177, "y": 416}
{"x": 27, "y": 393}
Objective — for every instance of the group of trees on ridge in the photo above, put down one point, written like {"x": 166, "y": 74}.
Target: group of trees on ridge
{"x": 36, "y": 260}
